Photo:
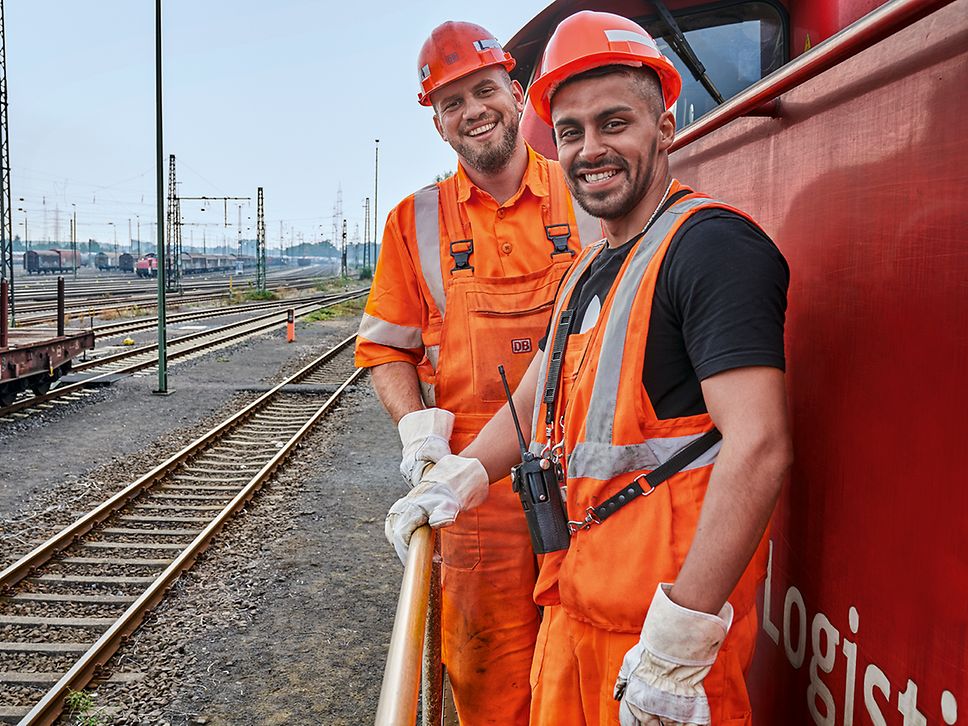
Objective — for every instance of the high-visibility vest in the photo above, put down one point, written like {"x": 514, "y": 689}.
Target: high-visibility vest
{"x": 611, "y": 435}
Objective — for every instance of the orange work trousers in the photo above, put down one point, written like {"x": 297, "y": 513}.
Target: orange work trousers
{"x": 489, "y": 621}
{"x": 576, "y": 664}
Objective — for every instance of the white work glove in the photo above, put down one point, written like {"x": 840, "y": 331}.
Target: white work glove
{"x": 660, "y": 683}
{"x": 425, "y": 436}
{"x": 449, "y": 487}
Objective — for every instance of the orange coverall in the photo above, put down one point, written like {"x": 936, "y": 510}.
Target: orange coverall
{"x": 456, "y": 326}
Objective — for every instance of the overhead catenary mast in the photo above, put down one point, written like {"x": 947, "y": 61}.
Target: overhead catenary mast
{"x": 173, "y": 258}
{"x": 260, "y": 246}
{"x": 6, "y": 211}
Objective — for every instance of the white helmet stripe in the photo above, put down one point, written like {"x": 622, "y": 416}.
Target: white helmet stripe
{"x": 628, "y": 36}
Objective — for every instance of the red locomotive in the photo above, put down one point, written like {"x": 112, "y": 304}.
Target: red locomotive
{"x": 843, "y": 131}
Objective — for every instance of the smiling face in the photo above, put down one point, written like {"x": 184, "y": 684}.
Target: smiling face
{"x": 478, "y": 116}
{"x": 613, "y": 141}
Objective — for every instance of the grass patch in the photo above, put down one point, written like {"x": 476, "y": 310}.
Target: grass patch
{"x": 349, "y": 308}
{"x": 133, "y": 311}
{"x": 82, "y": 709}
{"x": 332, "y": 284}
{"x": 252, "y": 295}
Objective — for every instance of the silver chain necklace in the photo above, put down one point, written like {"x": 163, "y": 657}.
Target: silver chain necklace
{"x": 657, "y": 208}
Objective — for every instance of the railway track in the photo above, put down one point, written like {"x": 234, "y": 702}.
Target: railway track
{"x": 67, "y": 606}
{"x": 127, "y": 362}
{"x": 39, "y": 313}
{"x": 132, "y": 326}
{"x": 46, "y": 290}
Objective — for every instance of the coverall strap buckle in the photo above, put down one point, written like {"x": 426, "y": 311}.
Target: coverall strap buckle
{"x": 559, "y": 234}
{"x": 461, "y": 252}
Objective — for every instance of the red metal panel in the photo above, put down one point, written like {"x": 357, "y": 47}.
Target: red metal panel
{"x": 863, "y": 182}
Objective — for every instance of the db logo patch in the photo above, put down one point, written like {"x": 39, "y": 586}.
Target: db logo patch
{"x": 521, "y": 345}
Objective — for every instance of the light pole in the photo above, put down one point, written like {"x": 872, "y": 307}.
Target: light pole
{"x": 26, "y": 238}
{"x": 160, "y": 210}
{"x": 115, "y": 228}
{"x": 26, "y": 250}
{"x": 376, "y": 186}
{"x": 138, "y": 217}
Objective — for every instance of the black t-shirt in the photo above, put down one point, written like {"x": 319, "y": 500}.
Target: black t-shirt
{"x": 720, "y": 303}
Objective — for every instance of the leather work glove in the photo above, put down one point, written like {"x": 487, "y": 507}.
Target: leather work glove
{"x": 452, "y": 485}
{"x": 425, "y": 436}
{"x": 660, "y": 682}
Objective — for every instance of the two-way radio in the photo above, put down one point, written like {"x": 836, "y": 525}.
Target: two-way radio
{"x": 537, "y": 480}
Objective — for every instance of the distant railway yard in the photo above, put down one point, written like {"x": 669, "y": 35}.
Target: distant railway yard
{"x": 214, "y": 556}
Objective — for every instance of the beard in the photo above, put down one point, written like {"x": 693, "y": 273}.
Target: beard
{"x": 613, "y": 204}
{"x": 494, "y": 156}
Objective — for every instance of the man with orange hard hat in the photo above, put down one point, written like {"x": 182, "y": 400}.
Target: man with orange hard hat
{"x": 660, "y": 395}
{"x": 465, "y": 280}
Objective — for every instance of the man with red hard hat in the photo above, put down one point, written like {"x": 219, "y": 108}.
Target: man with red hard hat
{"x": 465, "y": 280}
{"x": 660, "y": 393}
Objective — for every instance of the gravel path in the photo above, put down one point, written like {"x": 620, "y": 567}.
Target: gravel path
{"x": 286, "y": 618}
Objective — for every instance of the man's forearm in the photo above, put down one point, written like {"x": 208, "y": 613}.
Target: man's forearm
{"x": 398, "y": 388}
{"x": 748, "y": 406}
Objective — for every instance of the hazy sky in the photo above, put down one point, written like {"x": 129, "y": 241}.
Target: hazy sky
{"x": 288, "y": 95}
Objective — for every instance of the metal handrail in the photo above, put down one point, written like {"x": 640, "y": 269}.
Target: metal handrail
{"x": 401, "y": 677}
{"x": 856, "y": 37}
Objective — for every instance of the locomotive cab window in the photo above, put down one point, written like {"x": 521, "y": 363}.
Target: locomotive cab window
{"x": 736, "y": 44}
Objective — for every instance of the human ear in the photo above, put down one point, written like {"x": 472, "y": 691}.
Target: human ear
{"x": 666, "y": 129}
{"x": 439, "y": 127}
{"x": 518, "y": 92}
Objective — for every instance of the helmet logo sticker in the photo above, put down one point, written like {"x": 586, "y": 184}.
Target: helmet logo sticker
{"x": 451, "y": 58}
{"x": 482, "y": 45}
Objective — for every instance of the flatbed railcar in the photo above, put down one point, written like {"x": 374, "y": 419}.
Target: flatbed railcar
{"x": 844, "y": 134}
{"x": 34, "y": 358}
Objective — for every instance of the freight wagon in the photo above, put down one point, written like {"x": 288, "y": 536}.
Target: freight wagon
{"x": 114, "y": 261}
{"x": 51, "y": 261}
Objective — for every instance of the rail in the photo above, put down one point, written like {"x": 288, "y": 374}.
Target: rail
{"x": 856, "y": 37}
{"x": 50, "y": 705}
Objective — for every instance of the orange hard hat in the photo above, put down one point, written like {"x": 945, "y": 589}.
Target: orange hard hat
{"x": 589, "y": 40}
{"x": 454, "y": 50}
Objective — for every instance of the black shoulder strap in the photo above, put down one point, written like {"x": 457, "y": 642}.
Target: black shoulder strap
{"x": 679, "y": 461}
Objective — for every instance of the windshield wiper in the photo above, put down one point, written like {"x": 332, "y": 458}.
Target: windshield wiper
{"x": 677, "y": 41}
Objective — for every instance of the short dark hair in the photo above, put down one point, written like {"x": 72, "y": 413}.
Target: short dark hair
{"x": 644, "y": 80}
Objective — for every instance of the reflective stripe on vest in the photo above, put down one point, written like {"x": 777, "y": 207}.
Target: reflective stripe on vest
{"x": 427, "y": 225}
{"x": 596, "y": 457}
{"x": 386, "y": 333}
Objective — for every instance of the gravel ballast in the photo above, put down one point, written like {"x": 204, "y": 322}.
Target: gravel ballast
{"x": 286, "y": 618}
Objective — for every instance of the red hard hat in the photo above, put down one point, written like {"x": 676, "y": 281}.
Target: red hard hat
{"x": 455, "y": 50}
{"x": 589, "y": 40}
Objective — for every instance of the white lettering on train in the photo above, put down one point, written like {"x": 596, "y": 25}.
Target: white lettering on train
{"x": 824, "y": 639}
